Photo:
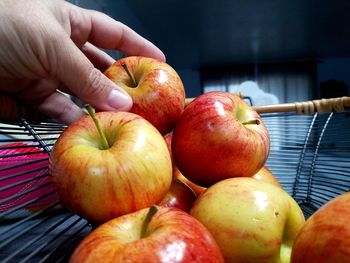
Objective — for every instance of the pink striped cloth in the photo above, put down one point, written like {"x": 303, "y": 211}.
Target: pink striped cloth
{"x": 23, "y": 162}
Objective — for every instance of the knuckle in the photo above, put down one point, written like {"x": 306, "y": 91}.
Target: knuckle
{"x": 96, "y": 85}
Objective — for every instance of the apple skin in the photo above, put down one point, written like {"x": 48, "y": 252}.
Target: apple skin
{"x": 180, "y": 195}
{"x": 252, "y": 221}
{"x": 177, "y": 174}
{"x": 325, "y": 236}
{"x": 266, "y": 175}
{"x": 134, "y": 173}
{"x": 195, "y": 187}
{"x": 263, "y": 174}
{"x": 212, "y": 142}
{"x": 159, "y": 96}
{"x": 171, "y": 236}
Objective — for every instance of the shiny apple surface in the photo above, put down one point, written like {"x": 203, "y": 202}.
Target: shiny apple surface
{"x": 177, "y": 174}
{"x": 218, "y": 137}
{"x": 252, "y": 221}
{"x": 180, "y": 195}
{"x": 158, "y": 94}
{"x": 325, "y": 237}
{"x": 171, "y": 236}
{"x": 100, "y": 184}
{"x": 264, "y": 174}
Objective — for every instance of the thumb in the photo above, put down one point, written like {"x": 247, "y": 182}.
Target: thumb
{"x": 86, "y": 82}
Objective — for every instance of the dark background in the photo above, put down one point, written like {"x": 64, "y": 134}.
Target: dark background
{"x": 208, "y": 37}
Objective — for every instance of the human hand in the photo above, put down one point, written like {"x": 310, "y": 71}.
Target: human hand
{"x": 51, "y": 46}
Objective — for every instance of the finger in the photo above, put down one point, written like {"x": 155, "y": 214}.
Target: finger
{"x": 59, "y": 107}
{"x": 80, "y": 76}
{"x": 103, "y": 31}
{"x": 43, "y": 96}
{"x": 99, "y": 58}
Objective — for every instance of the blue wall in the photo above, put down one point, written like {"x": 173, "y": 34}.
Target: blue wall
{"x": 329, "y": 68}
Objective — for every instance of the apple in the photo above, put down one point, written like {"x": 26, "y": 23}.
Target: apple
{"x": 263, "y": 174}
{"x": 219, "y": 136}
{"x": 100, "y": 179}
{"x": 266, "y": 175}
{"x": 325, "y": 237}
{"x": 177, "y": 174}
{"x": 180, "y": 195}
{"x": 155, "y": 87}
{"x": 195, "y": 187}
{"x": 252, "y": 221}
{"x": 166, "y": 235}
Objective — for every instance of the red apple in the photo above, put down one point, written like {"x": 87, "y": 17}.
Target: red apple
{"x": 195, "y": 187}
{"x": 252, "y": 221}
{"x": 325, "y": 236}
{"x": 219, "y": 136}
{"x": 100, "y": 183}
{"x": 155, "y": 87}
{"x": 178, "y": 175}
{"x": 180, "y": 195}
{"x": 171, "y": 235}
{"x": 264, "y": 174}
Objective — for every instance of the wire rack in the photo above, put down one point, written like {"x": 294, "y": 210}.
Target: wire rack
{"x": 310, "y": 156}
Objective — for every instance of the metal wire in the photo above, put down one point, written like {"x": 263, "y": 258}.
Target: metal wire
{"x": 310, "y": 156}
{"x": 318, "y": 169}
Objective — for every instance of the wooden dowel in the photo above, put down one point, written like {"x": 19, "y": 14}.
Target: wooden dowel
{"x": 285, "y": 107}
{"x": 323, "y": 105}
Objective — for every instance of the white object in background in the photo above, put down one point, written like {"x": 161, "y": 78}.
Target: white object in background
{"x": 251, "y": 89}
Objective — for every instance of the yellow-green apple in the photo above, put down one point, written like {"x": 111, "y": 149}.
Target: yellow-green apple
{"x": 219, "y": 136}
{"x": 266, "y": 175}
{"x": 252, "y": 221}
{"x": 180, "y": 195}
{"x": 101, "y": 182}
{"x": 181, "y": 190}
{"x": 177, "y": 174}
{"x": 155, "y": 87}
{"x": 325, "y": 237}
{"x": 170, "y": 235}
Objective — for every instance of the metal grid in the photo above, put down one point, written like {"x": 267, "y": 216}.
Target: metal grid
{"x": 310, "y": 156}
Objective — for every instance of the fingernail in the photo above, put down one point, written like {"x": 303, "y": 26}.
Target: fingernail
{"x": 119, "y": 100}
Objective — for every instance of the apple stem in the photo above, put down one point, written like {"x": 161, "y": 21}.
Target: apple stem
{"x": 152, "y": 210}
{"x": 131, "y": 76}
{"x": 91, "y": 112}
{"x": 255, "y": 121}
